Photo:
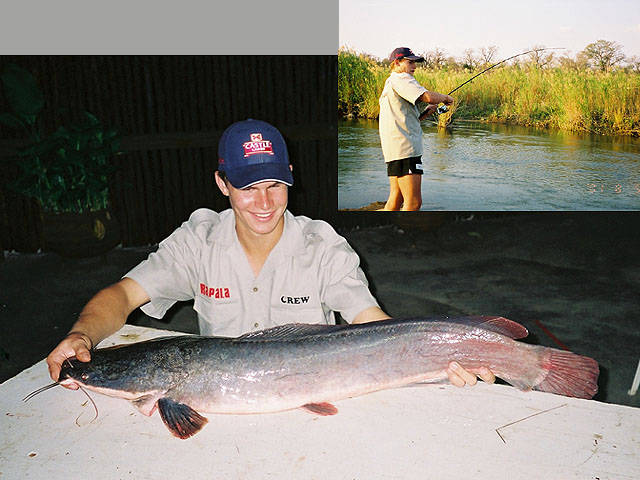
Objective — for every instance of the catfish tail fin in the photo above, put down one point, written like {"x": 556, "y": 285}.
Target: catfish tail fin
{"x": 569, "y": 374}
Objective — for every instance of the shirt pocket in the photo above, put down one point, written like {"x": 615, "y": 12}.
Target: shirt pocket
{"x": 218, "y": 318}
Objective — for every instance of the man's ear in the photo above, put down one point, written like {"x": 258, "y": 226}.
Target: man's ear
{"x": 221, "y": 184}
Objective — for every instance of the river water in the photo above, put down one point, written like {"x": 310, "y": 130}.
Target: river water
{"x": 479, "y": 166}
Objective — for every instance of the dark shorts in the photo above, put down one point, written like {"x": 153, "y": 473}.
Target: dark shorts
{"x": 400, "y": 168}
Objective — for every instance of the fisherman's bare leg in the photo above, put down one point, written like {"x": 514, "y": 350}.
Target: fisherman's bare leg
{"x": 395, "y": 195}
{"x": 411, "y": 190}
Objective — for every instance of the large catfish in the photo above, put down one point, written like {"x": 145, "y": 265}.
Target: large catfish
{"x": 309, "y": 366}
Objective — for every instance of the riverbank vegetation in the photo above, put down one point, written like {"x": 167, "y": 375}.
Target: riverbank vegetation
{"x": 541, "y": 91}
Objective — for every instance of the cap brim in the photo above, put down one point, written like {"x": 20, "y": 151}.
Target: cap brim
{"x": 266, "y": 172}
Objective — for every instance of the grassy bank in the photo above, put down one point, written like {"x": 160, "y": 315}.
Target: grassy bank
{"x": 603, "y": 103}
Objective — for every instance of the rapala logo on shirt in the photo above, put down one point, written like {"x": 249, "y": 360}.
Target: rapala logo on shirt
{"x": 214, "y": 292}
{"x": 257, "y": 145}
{"x": 294, "y": 300}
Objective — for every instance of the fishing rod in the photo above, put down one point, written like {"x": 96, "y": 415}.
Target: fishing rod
{"x": 444, "y": 108}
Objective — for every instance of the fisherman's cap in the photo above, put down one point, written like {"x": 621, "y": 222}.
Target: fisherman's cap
{"x": 404, "y": 52}
{"x": 253, "y": 151}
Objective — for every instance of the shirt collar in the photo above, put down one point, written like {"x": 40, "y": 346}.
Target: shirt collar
{"x": 292, "y": 240}
{"x": 224, "y": 233}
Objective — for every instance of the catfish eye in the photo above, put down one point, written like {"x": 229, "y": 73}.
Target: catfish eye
{"x": 84, "y": 376}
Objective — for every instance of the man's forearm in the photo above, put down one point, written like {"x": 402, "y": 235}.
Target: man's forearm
{"x": 435, "y": 98}
{"x": 108, "y": 310}
{"x": 371, "y": 314}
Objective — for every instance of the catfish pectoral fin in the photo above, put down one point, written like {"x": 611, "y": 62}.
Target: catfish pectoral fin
{"x": 181, "y": 420}
{"x": 146, "y": 403}
{"x": 323, "y": 409}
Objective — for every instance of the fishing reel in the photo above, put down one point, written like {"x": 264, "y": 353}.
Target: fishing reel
{"x": 442, "y": 108}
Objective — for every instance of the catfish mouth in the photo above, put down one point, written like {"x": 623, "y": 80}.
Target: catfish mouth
{"x": 84, "y": 381}
{"x": 132, "y": 396}
{"x": 67, "y": 379}
{"x": 71, "y": 382}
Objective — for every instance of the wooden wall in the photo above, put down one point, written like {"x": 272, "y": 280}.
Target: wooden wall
{"x": 171, "y": 111}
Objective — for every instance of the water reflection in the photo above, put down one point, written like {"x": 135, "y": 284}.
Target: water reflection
{"x": 477, "y": 166}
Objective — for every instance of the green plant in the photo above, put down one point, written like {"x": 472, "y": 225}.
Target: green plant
{"x": 559, "y": 97}
{"x": 358, "y": 88}
{"x": 68, "y": 170}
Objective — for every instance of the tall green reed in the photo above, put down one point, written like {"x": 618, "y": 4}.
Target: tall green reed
{"x": 560, "y": 98}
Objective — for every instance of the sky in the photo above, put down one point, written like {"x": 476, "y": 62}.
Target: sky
{"x": 378, "y": 26}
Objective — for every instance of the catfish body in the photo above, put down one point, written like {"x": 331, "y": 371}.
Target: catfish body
{"x": 310, "y": 366}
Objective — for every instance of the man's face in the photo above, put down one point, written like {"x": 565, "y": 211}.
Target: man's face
{"x": 407, "y": 66}
{"x": 259, "y": 209}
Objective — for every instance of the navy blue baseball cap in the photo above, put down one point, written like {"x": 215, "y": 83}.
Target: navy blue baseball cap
{"x": 404, "y": 52}
{"x": 253, "y": 151}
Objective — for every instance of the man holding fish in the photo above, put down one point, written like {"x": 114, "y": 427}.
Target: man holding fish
{"x": 248, "y": 268}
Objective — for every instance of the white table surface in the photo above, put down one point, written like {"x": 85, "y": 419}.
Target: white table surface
{"x": 426, "y": 431}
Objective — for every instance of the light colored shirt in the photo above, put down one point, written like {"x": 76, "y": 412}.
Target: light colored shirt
{"x": 311, "y": 272}
{"x": 399, "y": 124}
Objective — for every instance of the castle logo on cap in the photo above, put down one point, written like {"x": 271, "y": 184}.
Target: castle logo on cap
{"x": 257, "y": 145}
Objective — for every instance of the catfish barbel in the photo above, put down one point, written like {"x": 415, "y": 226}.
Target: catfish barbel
{"x": 310, "y": 366}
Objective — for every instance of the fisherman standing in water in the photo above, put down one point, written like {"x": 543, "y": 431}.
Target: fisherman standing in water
{"x": 400, "y": 132}
{"x": 250, "y": 267}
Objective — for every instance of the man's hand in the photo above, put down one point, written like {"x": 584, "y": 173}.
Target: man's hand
{"x": 103, "y": 315}
{"x": 76, "y": 345}
{"x": 431, "y": 109}
{"x": 461, "y": 377}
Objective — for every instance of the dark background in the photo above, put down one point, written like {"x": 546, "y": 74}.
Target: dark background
{"x": 171, "y": 111}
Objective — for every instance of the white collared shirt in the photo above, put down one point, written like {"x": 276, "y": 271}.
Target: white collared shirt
{"x": 311, "y": 272}
{"x": 399, "y": 124}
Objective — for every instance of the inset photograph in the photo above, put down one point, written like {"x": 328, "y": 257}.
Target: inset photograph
{"x": 482, "y": 111}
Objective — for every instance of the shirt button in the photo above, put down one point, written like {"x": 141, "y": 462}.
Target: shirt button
{"x": 255, "y": 289}
{"x": 256, "y": 325}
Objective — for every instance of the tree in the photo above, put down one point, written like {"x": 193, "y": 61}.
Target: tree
{"x": 634, "y": 63}
{"x": 469, "y": 60}
{"x": 538, "y": 58}
{"x": 451, "y": 64}
{"x": 577, "y": 64}
{"x": 582, "y": 61}
{"x": 488, "y": 53}
{"x": 604, "y": 55}
{"x": 434, "y": 59}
